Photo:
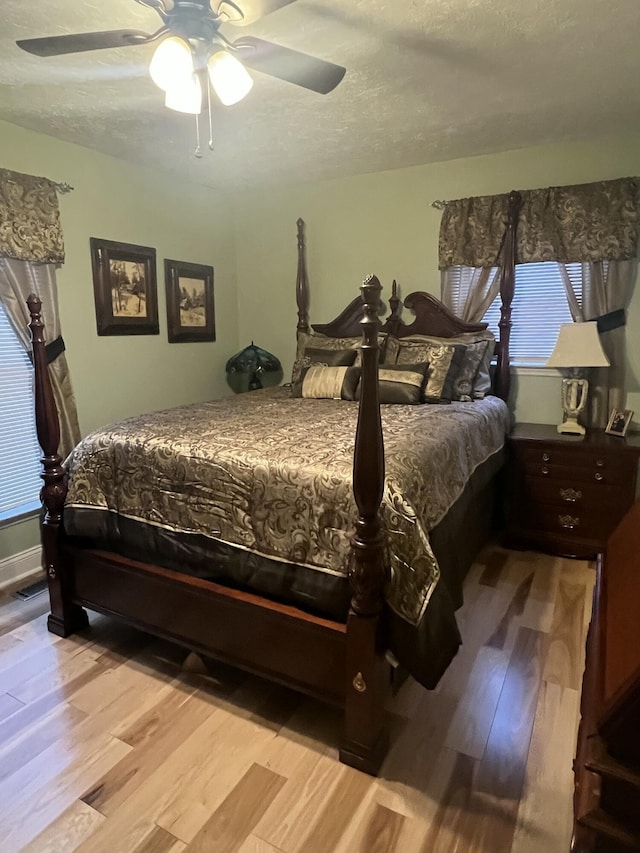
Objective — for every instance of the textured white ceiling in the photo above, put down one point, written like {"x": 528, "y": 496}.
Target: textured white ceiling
{"x": 426, "y": 80}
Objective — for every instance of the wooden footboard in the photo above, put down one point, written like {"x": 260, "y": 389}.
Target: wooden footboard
{"x": 339, "y": 663}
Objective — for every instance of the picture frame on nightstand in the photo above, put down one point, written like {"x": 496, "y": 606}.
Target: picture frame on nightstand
{"x": 619, "y": 421}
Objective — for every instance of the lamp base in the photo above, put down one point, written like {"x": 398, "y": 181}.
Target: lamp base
{"x": 575, "y": 391}
{"x": 571, "y": 426}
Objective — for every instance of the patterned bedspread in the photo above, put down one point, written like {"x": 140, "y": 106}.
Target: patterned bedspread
{"x": 273, "y": 474}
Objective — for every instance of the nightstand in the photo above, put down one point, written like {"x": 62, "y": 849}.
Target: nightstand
{"x": 566, "y": 493}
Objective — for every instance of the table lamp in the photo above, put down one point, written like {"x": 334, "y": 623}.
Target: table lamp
{"x": 252, "y": 362}
{"x": 578, "y": 347}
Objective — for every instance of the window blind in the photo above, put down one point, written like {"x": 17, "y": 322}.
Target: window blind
{"x": 539, "y": 308}
{"x": 19, "y": 450}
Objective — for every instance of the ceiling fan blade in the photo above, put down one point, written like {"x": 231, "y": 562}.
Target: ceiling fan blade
{"x": 249, "y": 11}
{"x": 291, "y": 65}
{"x": 78, "y": 42}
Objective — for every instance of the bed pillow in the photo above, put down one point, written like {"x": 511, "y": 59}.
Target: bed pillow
{"x": 314, "y": 356}
{"x": 473, "y": 379}
{"x": 401, "y": 383}
{"x": 445, "y": 361}
{"x": 320, "y": 382}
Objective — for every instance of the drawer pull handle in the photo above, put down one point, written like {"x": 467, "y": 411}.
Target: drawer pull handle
{"x": 545, "y": 457}
{"x": 544, "y": 470}
{"x": 568, "y": 521}
{"x": 599, "y": 476}
{"x": 571, "y": 495}
{"x": 600, "y": 463}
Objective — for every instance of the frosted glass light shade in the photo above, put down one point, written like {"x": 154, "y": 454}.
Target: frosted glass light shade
{"x": 230, "y": 79}
{"x": 171, "y": 63}
{"x": 578, "y": 345}
{"x": 186, "y": 97}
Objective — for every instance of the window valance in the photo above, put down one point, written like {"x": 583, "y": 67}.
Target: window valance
{"x": 572, "y": 224}
{"x": 29, "y": 218}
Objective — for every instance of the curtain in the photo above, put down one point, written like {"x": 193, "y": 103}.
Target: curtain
{"x": 17, "y": 280}
{"x": 606, "y": 287}
{"x": 470, "y": 291}
{"x": 580, "y": 223}
{"x": 29, "y": 219}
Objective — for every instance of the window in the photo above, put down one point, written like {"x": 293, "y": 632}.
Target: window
{"x": 19, "y": 450}
{"x": 538, "y": 309}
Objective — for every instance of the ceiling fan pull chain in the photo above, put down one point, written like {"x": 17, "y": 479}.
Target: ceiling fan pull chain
{"x": 198, "y": 152}
{"x": 210, "y": 114}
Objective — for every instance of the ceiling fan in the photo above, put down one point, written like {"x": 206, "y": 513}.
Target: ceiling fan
{"x": 192, "y": 52}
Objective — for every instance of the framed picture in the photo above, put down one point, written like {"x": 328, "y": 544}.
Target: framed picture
{"x": 124, "y": 288}
{"x": 190, "y": 312}
{"x": 619, "y": 421}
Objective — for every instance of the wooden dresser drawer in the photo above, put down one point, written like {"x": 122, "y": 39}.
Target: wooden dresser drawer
{"x": 570, "y": 492}
{"x": 533, "y": 454}
{"x": 570, "y": 521}
{"x": 568, "y": 474}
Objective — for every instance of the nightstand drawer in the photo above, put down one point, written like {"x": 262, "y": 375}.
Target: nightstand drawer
{"x": 568, "y": 474}
{"x": 534, "y": 458}
{"x": 570, "y": 521}
{"x": 567, "y": 491}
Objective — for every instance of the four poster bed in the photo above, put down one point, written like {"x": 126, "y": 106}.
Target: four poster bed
{"x": 260, "y": 565}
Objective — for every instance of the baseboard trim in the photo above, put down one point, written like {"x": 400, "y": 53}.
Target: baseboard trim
{"x": 19, "y": 566}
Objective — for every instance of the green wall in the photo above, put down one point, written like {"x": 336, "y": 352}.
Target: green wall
{"x": 381, "y": 223}
{"x": 115, "y": 377}
{"x": 384, "y": 223}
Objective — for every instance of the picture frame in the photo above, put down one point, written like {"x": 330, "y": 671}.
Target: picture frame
{"x": 619, "y": 421}
{"x": 190, "y": 302}
{"x": 124, "y": 288}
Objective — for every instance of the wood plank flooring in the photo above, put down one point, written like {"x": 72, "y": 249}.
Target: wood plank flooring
{"x": 114, "y": 741}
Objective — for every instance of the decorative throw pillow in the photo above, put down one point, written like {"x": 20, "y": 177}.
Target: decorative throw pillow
{"x": 324, "y": 342}
{"x": 473, "y": 379}
{"x": 335, "y": 383}
{"x": 445, "y": 361}
{"x": 464, "y": 382}
{"x": 326, "y": 357}
{"x": 482, "y": 383}
{"x": 401, "y": 383}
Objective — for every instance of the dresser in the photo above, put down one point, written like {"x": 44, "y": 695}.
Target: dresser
{"x": 567, "y": 493}
{"x": 607, "y": 763}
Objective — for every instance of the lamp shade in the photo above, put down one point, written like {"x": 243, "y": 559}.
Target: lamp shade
{"x": 172, "y": 63}
{"x": 229, "y": 78}
{"x": 253, "y": 361}
{"x": 578, "y": 345}
{"x": 186, "y": 96}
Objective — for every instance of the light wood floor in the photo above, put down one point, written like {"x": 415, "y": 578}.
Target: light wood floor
{"x": 111, "y": 743}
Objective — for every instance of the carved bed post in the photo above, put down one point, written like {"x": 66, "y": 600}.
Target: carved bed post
{"x": 302, "y": 281}
{"x": 368, "y": 674}
{"x": 507, "y": 286}
{"x": 65, "y": 617}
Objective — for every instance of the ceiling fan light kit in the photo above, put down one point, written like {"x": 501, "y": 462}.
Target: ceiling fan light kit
{"x": 172, "y": 69}
{"x": 194, "y": 54}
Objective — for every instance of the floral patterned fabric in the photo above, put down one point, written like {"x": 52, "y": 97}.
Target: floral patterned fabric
{"x": 444, "y": 359}
{"x": 572, "y": 224}
{"x": 273, "y": 474}
{"x": 29, "y": 219}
